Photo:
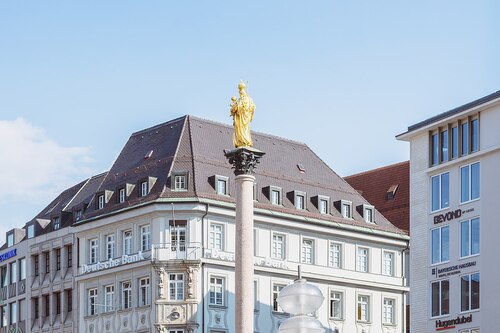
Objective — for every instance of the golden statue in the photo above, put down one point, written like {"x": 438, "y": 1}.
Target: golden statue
{"x": 242, "y": 110}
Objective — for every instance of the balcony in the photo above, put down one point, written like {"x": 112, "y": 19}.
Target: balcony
{"x": 176, "y": 251}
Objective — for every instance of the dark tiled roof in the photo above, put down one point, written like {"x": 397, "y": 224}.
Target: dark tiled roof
{"x": 454, "y": 111}
{"x": 374, "y": 186}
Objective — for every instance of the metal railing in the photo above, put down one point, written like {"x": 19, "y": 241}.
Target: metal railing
{"x": 176, "y": 251}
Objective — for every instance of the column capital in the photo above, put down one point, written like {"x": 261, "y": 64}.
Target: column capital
{"x": 244, "y": 159}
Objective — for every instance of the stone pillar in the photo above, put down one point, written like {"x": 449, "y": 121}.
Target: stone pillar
{"x": 244, "y": 160}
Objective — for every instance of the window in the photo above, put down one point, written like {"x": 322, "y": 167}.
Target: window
{"x": 69, "y": 299}
{"x": 109, "y": 298}
{"x": 388, "y": 264}
{"x": 444, "y": 146}
{"x": 469, "y": 238}
{"x": 368, "y": 213}
{"x": 47, "y": 305}
{"x": 363, "y": 308}
{"x": 469, "y": 292}
{"x": 278, "y": 246}
{"x": 78, "y": 214}
{"x": 335, "y": 255}
{"x": 440, "y": 295}
{"x": 388, "y": 311}
{"x": 144, "y": 189}
{"x": 216, "y": 290}
{"x": 92, "y": 302}
{"x": 10, "y": 240}
{"x": 176, "y": 287}
{"x": 474, "y": 135}
{"x": 221, "y": 185}
{"x": 100, "y": 201}
{"x": 440, "y": 238}
{"x": 57, "y": 296}
{"x": 275, "y": 196}
{"x": 5, "y": 277}
{"x": 127, "y": 242}
{"x": 434, "y": 149}
{"x": 36, "y": 307}
{"x": 13, "y": 272}
{"x": 276, "y": 292}
{"x": 323, "y": 206}
{"x": 336, "y": 305}
{"x": 307, "y": 255}
{"x": 13, "y": 313}
{"x": 144, "y": 292}
{"x": 178, "y": 237}
{"x": 36, "y": 265}
{"x": 31, "y": 231}
{"x": 362, "y": 259}
{"x": 180, "y": 182}
{"x": 58, "y": 259}
{"x": 22, "y": 269}
{"x": 145, "y": 238}
{"x": 57, "y": 223}
{"x": 93, "y": 250}
{"x": 3, "y": 316}
{"x": 300, "y": 200}
{"x": 440, "y": 191}
{"x": 465, "y": 138}
{"x": 70, "y": 256}
{"x": 47, "y": 262}
{"x": 469, "y": 182}
{"x": 216, "y": 236}
{"x": 126, "y": 295}
{"x": 346, "y": 209}
{"x": 121, "y": 195}
{"x": 110, "y": 246}
{"x": 454, "y": 142}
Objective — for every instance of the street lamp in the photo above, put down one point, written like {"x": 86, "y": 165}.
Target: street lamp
{"x": 300, "y": 299}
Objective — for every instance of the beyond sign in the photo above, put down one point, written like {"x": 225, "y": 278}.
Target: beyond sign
{"x": 442, "y": 325}
{"x": 450, "y": 215}
{"x": 125, "y": 259}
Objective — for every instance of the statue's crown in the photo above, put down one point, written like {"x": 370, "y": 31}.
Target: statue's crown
{"x": 241, "y": 85}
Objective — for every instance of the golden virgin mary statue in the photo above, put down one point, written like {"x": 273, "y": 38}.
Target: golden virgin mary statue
{"x": 242, "y": 110}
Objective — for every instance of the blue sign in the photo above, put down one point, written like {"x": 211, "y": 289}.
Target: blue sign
{"x": 8, "y": 255}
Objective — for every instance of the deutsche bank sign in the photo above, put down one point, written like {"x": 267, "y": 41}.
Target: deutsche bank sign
{"x": 98, "y": 266}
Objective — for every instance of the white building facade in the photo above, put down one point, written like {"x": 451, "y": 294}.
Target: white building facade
{"x": 454, "y": 163}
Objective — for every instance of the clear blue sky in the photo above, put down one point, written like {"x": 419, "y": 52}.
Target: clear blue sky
{"x": 78, "y": 77}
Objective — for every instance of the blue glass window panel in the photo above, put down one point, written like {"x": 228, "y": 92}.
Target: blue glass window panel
{"x": 435, "y": 193}
{"x": 464, "y": 181}
{"x": 475, "y": 236}
{"x": 474, "y": 181}
{"x": 474, "y": 135}
{"x": 445, "y": 190}
{"x": 465, "y": 138}
{"x": 454, "y": 142}
{"x": 464, "y": 239}
{"x": 435, "y": 149}
{"x": 444, "y": 146}
{"x": 445, "y": 244}
{"x": 435, "y": 245}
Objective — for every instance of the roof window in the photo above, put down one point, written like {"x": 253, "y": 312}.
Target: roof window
{"x": 391, "y": 192}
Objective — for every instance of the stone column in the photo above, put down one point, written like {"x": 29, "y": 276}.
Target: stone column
{"x": 244, "y": 160}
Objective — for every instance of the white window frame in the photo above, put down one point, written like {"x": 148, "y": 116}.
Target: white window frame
{"x": 144, "y": 291}
{"x": 109, "y": 298}
{"x": 441, "y": 204}
{"x": 365, "y": 265}
{"x": 470, "y": 238}
{"x": 326, "y": 201}
{"x": 300, "y": 200}
{"x": 469, "y": 182}
{"x": 275, "y": 291}
{"x": 304, "y": 253}
{"x": 216, "y": 236}
{"x": 336, "y": 297}
{"x": 100, "y": 201}
{"x": 110, "y": 246}
{"x": 369, "y": 218}
{"x": 278, "y": 248}
{"x": 144, "y": 188}
{"x": 222, "y": 180}
{"x": 13, "y": 272}
{"x": 217, "y": 286}
{"x": 275, "y": 196}
{"x": 391, "y": 271}
{"x": 127, "y": 242}
{"x": 469, "y": 305}
{"x": 440, "y": 296}
{"x": 122, "y": 195}
{"x": 176, "y": 291}
{"x": 22, "y": 269}
{"x": 10, "y": 240}
{"x": 93, "y": 250}
{"x": 335, "y": 256}
{"x": 440, "y": 246}
{"x": 389, "y": 311}
{"x": 180, "y": 182}
{"x": 146, "y": 237}
{"x": 359, "y": 308}
{"x": 126, "y": 299}
{"x": 346, "y": 209}
{"x": 57, "y": 223}
{"x": 31, "y": 231}
{"x": 92, "y": 297}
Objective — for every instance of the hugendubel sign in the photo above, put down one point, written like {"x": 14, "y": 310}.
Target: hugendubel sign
{"x": 442, "y": 325}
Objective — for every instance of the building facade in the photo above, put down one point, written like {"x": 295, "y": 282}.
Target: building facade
{"x": 153, "y": 241}
{"x": 454, "y": 160}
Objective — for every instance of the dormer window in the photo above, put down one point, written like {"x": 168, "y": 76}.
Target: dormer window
{"x": 100, "y": 201}
{"x": 180, "y": 182}
{"x": 368, "y": 213}
{"x": 10, "y": 240}
{"x": 275, "y": 195}
{"x": 300, "y": 200}
{"x": 346, "y": 209}
{"x": 221, "y": 185}
{"x": 144, "y": 188}
{"x": 31, "y": 231}
{"x": 121, "y": 195}
{"x": 56, "y": 223}
{"x": 322, "y": 203}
